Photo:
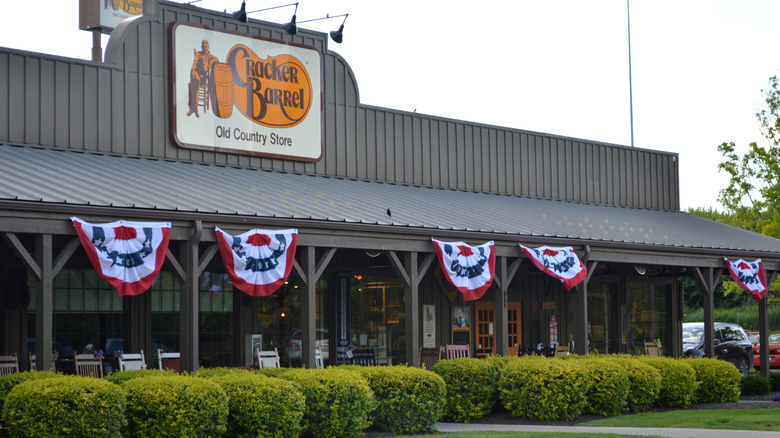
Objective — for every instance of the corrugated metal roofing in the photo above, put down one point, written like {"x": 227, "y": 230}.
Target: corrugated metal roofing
{"x": 83, "y": 178}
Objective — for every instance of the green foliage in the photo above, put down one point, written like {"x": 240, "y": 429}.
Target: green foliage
{"x": 409, "y": 400}
{"x": 260, "y": 406}
{"x": 338, "y": 401}
{"x": 608, "y": 391}
{"x": 120, "y": 377}
{"x": 174, "y": 405}
{"x": 644, "y": 383}
{"x": 272, "y": 372}
{"x": 746, "y": 316}
{"x": 217, "y": 372}
{"x": 774, "y": 380}
{"x": 755, "y": 384}
{"x": 717, "y": 381}
{"x": 678, "y": 381}
{"x": 471, "y": 387}
{"x": 8, "y": 382}
{"x": 541, "y": 388}
{"x": 65, "y": 406}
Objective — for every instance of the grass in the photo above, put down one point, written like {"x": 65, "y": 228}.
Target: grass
{"x": 733, "y": 419}
{"x": 738, "y": 419}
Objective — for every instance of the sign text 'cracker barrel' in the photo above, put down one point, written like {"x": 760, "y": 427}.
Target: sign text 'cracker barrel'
{"x": 274, "y": 92}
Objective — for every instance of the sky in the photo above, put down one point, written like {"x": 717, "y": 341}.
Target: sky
{"x": 697, "y": 70}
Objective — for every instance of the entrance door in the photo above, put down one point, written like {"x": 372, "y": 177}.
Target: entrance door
{"x": 486, "y": 323}
{"x": 486, "y": 326}
{"x": 514, "y": 328}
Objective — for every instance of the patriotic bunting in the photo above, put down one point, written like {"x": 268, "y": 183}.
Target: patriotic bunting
{"x": 258, "y": 261}
{"x": 129, "y": 255}
{"x": 561, "y": 263}
{"x": 469, "y": 268}
{"x": 749, "y": 276}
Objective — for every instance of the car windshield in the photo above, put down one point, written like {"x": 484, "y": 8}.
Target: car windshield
{"x": 692, "y": 334}
{"x": 774, "y": 339}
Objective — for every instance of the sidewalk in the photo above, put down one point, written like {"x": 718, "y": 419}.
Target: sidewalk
{"x": 667, "y": 432}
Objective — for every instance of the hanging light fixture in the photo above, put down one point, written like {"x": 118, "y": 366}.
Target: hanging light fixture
{"x": 290, "y": 27}
{"x": 240, "y": 14}
{"x": 336, "y": 35}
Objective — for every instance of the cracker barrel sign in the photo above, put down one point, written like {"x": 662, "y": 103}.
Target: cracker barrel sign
{"x": 251, "y": 95}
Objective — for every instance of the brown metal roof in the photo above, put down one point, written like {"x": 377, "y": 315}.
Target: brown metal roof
{"x": 49, "y": 176}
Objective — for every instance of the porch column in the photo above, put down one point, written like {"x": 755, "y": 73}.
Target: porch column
{"x": 44, "y": 303}
{"x": 763, "y": 328}
{"x": 310, "y": 273}
{"x": 581, "y": 307}
{"x": 709, "y": 279}
{"x": 411, "y": 276}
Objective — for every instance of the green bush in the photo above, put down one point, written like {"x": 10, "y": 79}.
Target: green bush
{"x": 120, "y": 377}
{"x": 717, "y": 381}
{"x": 409, "y": 400}
{"x": 540, "y": 388}
{"x": 608, "y": 391}
{"x": 644, "y": 383}
{"x": 174, "y": 405}
{"x": 65, "y": 406}
{"x": 471, "y": 387}
{"x": 678, "y": 381}
{"x": 218, "y": 372}
{"x": 774, "y": 380}
{"x": 755, "y": 384}
{"x": 338, "y": 401}
{"x": 260, "y": 406}
{"x": 8, "y": 382}
{"x": 272, "y": 372}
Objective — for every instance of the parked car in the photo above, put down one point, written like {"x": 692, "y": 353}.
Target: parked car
{"x": 731, "y": 344}
{"x": 774, "y": 352}
{"x": 292, "y": 352}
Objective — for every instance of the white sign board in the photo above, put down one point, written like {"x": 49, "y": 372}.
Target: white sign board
{"x": 429, "y": 326}
{"x": 239, "y": 93}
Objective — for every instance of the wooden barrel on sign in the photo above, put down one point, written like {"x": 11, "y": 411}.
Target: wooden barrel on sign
{"x": 221, "y": 90}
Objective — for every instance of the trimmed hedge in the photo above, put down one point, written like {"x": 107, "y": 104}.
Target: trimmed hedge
{"x": 471, "y": 387}
{"x": 69, "y": 406}
{"x": 717, "y": 381}
{"x": 409, "y": 400}
{"x": 678, "y": 381}
{"x": 644, "y": 383}
{"x": 774, "y": 380}
{"x": 260, "y": 406}
{"x": 755, "y": 384}
{"x": 338, "y": 401}
{"x": 120, "y": 377}
{"x": 8, "y": 382}
{"x": 540, "y": 388}
{"x": 608, "y": 391}
{"x": 174, "y": 405}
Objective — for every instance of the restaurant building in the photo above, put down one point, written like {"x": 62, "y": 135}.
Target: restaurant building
{"x": 196, "y": 119}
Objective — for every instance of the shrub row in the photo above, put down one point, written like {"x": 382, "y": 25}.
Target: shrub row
{"x": 335, "y": 402}
{"x": 564, "y": 387}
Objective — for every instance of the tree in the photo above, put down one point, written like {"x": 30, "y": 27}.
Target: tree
{"x": 752, "y": 198}
{"x": 753, "y": 194}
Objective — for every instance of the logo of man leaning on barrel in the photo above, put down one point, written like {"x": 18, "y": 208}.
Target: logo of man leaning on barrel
{"x": 275, "y": 92}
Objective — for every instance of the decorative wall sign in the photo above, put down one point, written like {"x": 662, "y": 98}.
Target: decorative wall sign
{"x": 240, "y": 93}
{"x": 128, "y": 255}
{"x": 749, "y": 276}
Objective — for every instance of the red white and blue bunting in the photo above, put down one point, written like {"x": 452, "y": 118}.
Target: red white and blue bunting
{"x": 749, "y": 276}
{"x": 561, "y": 263}
{"x": 469, "y": 268}
{"x": 258, "y": 261}
{"x": 129, "y": 255}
